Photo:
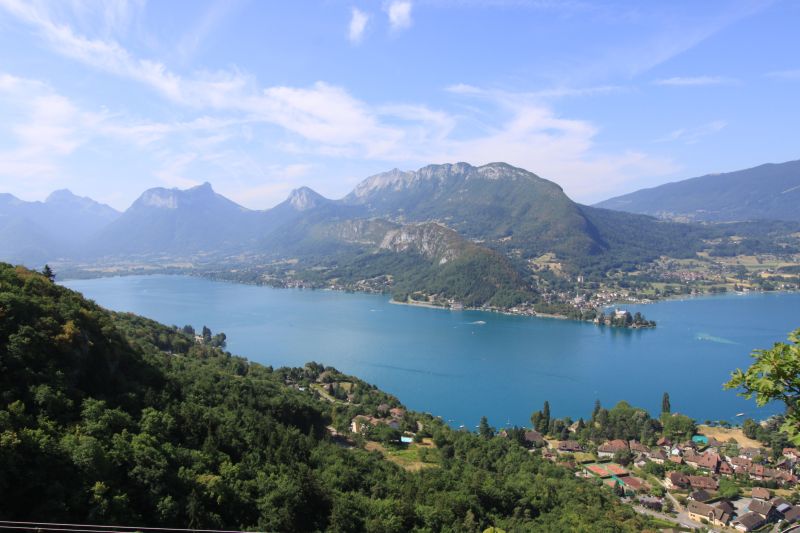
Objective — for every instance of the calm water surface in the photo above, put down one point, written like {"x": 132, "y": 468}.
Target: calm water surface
{"x": 462, "y": 365}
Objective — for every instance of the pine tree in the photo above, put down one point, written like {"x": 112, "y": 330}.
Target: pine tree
{"x": 545, "y": 417}
{"x": 484, "y": 430}
{"x": 48, "y": 273}
{"x": 665, "y": 406}
{"x": 596, "y": 410}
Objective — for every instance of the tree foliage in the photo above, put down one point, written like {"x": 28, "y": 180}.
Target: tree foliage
{"x": 774, "y": 376}
{"x": 115, "y": 419}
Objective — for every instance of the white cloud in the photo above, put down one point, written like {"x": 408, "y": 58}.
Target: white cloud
{"x": 693, "y": 135}
{"x": 533, "y": 136}
{"x": 41, "y": 126}
{"x": 358, "y": 23}
{"x": 399, "y": 12}
{"x": 227, "y": 110}
{"x": 696, "y": 81}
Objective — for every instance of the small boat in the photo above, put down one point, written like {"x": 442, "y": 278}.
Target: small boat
{"x": 739, "y": 414}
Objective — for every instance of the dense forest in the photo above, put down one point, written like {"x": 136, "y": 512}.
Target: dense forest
{"x": 112, "y": 418}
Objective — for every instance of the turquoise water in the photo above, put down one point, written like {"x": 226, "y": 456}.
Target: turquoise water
{"x": 462, "y": 365}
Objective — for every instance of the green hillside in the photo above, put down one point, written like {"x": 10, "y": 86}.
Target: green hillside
{"x": 111, "y": 418}
{"x": 770, "y": 191}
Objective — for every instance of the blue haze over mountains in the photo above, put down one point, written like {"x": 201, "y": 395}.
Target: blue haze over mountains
{"x": 494, "y": 207}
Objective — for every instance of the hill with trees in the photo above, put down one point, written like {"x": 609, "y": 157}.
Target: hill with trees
{"x": 111, "y": 418}
{"x": 769, "y": 192}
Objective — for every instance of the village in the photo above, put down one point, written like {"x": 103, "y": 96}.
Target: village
{"x": 684, "y": 476}
{"x": 700, "y": 482}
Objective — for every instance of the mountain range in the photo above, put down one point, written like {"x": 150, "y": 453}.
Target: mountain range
{"x": 770, "y": 191}
{"x": 32, "y": 232}
{"x": 470, "y": 233}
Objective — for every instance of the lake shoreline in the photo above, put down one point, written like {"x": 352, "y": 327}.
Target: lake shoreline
{"x": 213, "y": 276}
{"x": 450, "y": 365}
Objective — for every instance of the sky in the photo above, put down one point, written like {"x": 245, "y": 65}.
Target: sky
{"x": 258, "y": 98}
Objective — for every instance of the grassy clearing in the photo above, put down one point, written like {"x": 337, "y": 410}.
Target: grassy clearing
{"x": 407, "y": 457}
{"x": 723, "y": 435}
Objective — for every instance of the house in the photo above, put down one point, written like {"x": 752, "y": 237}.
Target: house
{"x": 637, "y": 447}
{"x": 699, "y": 512}
{"x": 749, "y": 522}
{"x": 700, "y": 495}
{"x": 726, "y": 506}
{"x": 791, "y": 453}
{"x": 703, "y": 482}
{"x": 761, "y": 472}
{"x": 657, "y": 455}
{"x": 792, "y": 514}
{"x": 677, "y": 459}
{"x": 569, "y": 446}
{"x": 360, "y": 423}
{"x": 780, "y": 505}
{"x": 676, "y": 480}
{"x": 750, "y": 453}
{"x": 741, "y": 464}
{"x": 397, "y": 412}
{"x": 609, "y": 448}
{"x": 708, "y": 461}
{"x": 760, "y": 507}
{"x": 760, "y": 493}
{"x": 534, "y": 438}
{"x": 641, "y": 461}
{"x": 786, "y": 478}
{"x": 691, "y": 459}
{"x": 725, "y": 468}
{"x": 663, "y": 442}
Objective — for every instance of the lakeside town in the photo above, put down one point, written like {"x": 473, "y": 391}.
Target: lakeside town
{"x": 683, "y": 475}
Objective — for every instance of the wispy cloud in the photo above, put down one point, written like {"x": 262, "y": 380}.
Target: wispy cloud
{"x": 531, "y": 134}
{"x": 399, "y": 12}
{"x": 209, "y": 20}
{"x": 543, "y": 94}
{"x": 327, "y": 121}
{"x": 696, "y": 81}
{"x": 693, "y": 135}
{"x": 358, "y": 23}
{"x": 791, "y": 74}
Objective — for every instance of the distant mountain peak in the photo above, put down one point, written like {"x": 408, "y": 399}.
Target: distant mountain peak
{"x": 160, "y": 197}
{"x": 61, "y": 195}
{"x": 203, "y": 187}
{"x": 397, "y": 180}
{"x": 305, "y": 198}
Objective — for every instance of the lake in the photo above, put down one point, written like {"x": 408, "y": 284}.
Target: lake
{"x": 462, "y": 365}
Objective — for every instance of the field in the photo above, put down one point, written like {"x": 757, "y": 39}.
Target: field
{"x": 723, "y": 435}
{"x": 407, "y": 457}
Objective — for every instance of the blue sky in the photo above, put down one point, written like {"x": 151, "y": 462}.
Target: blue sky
{"x": 260, "y": 97}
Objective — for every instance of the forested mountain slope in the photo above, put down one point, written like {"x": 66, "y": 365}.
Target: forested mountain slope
{"x": 770, "y": 192}
{"x": 112, "y": 418}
